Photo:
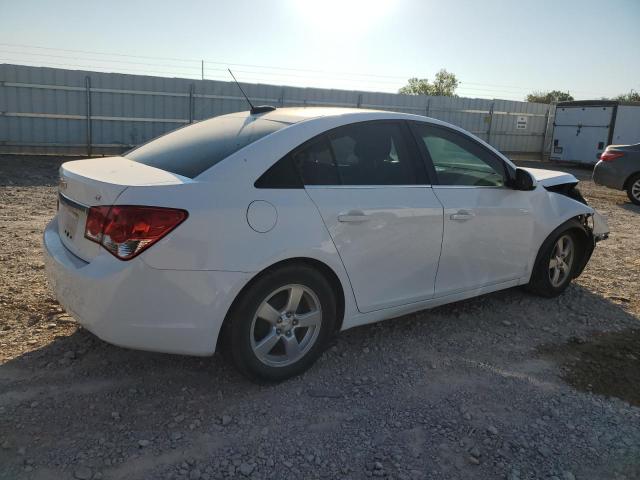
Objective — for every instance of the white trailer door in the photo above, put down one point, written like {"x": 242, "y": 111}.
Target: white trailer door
{"x": 627, "y": 127}
{"x": 580, "y": 134}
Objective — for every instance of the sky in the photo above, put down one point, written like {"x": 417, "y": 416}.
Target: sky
{"x": 497, "y": 49}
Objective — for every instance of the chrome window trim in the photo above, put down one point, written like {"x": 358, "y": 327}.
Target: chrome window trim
{"x": 365, "y": 186}
{"x": 472, "y": 186}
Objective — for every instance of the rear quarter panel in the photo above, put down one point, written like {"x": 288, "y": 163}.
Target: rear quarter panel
{"x": 217, "y": 236}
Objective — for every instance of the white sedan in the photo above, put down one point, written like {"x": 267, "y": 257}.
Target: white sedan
{"x": 266, "y": 233}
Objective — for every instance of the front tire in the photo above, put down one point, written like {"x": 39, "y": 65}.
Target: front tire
{"x": 633, "y": 189}
{"x": 558, "y": 261}
{"x": 282, "y": 323}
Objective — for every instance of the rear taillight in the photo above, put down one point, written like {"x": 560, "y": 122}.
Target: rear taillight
{"x": 126, "y": 230}
{"x": 609, "y": 155}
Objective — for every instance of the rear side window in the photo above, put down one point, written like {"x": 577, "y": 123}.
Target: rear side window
{"x": 367, "y": 153}
{"x": 191, "y": 150}
{"x": 315, "y": 163}
{"x": 372, "y": 153}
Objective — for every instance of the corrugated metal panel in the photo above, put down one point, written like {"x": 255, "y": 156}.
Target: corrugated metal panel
{"x": 44, "y": 110}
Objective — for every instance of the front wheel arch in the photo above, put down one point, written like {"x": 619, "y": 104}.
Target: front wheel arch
{"x": 576, "y": 225}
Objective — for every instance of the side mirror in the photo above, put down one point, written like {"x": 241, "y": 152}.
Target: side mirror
{"x": 523, "y": 180}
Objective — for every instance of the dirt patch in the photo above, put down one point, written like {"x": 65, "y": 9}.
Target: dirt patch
{"x": 460, "y": 391}
{"x": 606, "y": 363}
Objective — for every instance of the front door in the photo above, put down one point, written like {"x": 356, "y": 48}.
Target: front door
{"x": 370, "y": 187}
{"x": 488, "y": 227}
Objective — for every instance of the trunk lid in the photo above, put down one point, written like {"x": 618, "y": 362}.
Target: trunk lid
{"x": 99, "y": 181}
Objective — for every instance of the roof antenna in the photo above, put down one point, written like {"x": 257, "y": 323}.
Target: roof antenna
{"x": 254, "y": 110}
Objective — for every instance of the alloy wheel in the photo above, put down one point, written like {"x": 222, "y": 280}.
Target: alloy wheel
{"x": 635, "y": 190}
{"x": 286, "y": 325}
{"x": 561, "y": 260}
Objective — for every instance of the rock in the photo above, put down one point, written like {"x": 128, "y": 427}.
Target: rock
{"x": 514, "y": 474}
{"x": 568, "y": 476}
{"x": 474, "y": 452}
{"x": 492, "y": 430}
{"x": 195, "y": 474}
{"x": 377, "y": 466}
{"x": 226, "y": 420}
{"x": 176, "y": 436}
{"x": 143, "y": 443}
{"x": 322, "y": 393}
{"x": 544, "y": 451}
{"x": 506, "y": 323}
{"x": 82, "y": 473}
{"x": 22, "y": 451}
{"x": 34, "y": 404}
{"x": 473, "y": 460}
{"x": 246, "y": 469}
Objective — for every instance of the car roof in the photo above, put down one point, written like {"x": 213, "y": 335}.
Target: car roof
{"x": 293, "y": 115}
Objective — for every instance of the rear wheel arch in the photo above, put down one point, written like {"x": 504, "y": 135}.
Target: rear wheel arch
{"x": 627, "y": 181}
{"x": 629, "y": 185}
{"x": 318, "y": 265}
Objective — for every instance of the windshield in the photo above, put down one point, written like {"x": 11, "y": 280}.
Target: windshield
{"x": 191, "y": 150}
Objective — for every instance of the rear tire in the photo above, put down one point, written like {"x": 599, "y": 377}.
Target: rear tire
{"x": 558, "y": 261}
{"x": 281, "y": 324}
{"x": 633, "y": 189}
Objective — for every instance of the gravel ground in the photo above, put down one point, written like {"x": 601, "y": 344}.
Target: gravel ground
{"x": 503, "y": 386}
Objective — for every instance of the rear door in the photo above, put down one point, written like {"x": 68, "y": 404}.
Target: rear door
{"x": 487, "y": 226}
{"x": 371, "y": 189}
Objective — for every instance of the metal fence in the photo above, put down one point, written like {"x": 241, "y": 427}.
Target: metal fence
{"x": 70, "y": 112}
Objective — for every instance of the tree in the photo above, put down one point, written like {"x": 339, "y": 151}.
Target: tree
{"x": 444, "y": 85}
{"x": 629, "y": 97}
{"x": 549, "y": 97}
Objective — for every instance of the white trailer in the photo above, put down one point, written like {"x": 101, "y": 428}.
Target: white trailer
{"x": 583, "y": 129}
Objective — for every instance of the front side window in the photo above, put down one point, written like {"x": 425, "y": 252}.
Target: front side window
{"x": 459, "y": 160}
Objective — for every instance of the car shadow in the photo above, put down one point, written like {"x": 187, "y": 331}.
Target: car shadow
{"x": 630, "y": 207}
{"x": 82, "y": 357}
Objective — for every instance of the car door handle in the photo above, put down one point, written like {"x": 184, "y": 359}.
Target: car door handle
{"x": 462, "y": 215}
{"x": 353, "y": 216}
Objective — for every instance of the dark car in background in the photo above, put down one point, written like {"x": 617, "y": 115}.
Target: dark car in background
{"x": 619, "y": 168}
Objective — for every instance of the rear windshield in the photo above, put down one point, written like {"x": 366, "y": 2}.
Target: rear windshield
{"x": 191, "y": 150}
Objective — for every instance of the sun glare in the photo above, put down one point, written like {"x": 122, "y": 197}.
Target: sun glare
{"x": 346, "y": 18}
